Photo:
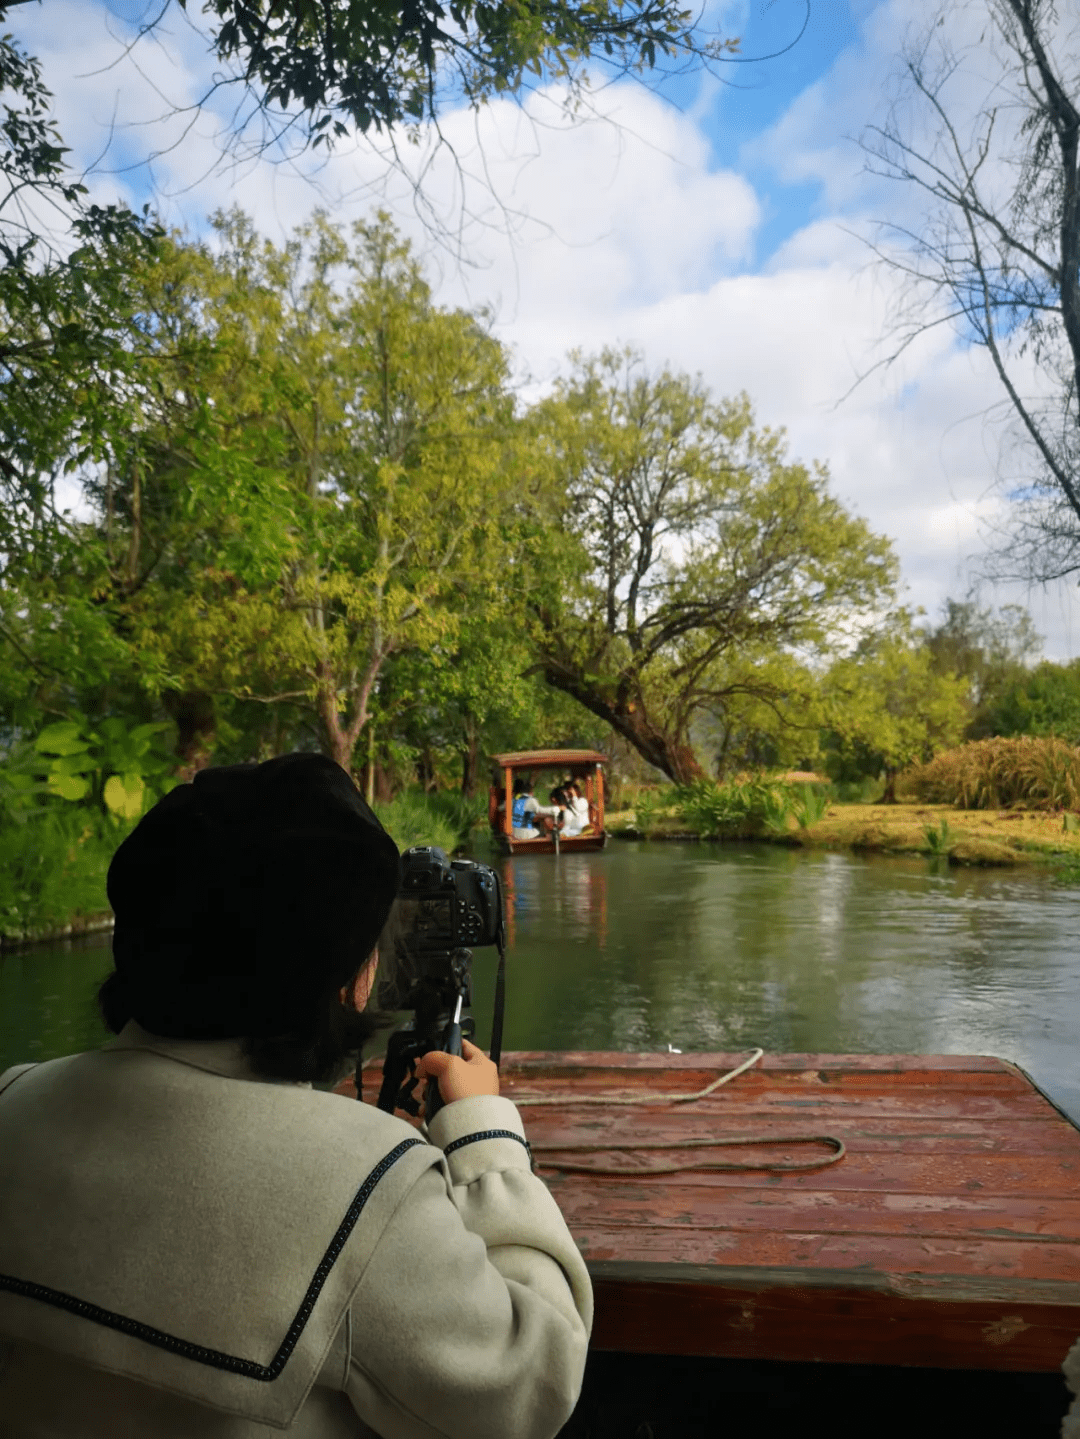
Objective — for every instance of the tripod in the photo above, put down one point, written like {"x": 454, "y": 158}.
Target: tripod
{"x": 437, "y": 1000}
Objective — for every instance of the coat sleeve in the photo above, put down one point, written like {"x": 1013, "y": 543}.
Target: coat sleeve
{"x": 472, "y": 1319}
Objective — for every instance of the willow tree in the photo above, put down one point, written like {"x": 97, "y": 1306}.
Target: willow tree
{"x": 696, "y": 554}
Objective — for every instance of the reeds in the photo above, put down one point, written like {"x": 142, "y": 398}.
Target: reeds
{"x": 748, "y": 807}
{"x": 1025, "y": 771}
{"x": 416, "y": 818}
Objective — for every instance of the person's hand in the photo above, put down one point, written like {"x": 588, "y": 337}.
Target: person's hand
{"x": 460, "y": 1077}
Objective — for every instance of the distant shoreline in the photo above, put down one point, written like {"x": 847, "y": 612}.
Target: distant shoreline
{"x": 962, "y": 836}
{"x": 75, "y": 929}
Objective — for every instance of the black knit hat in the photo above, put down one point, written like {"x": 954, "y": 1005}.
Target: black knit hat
{"x": 247, "y": 899}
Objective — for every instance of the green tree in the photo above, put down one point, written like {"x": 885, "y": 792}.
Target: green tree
{"x": 889, "y": 705}
{"x": 339, "y": 478}
{"x": 699, "y": 554}
{"x": 1042, "y": 701}
{"x": 776, "y": 725}
{"x": 991, "y": 651}
{"x": 63, "y": 297}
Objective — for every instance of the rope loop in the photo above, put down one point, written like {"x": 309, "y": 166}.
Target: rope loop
{"x": 836, "y": 1146}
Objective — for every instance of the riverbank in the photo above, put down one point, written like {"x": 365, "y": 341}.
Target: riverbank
{"x": 962, "y": 836}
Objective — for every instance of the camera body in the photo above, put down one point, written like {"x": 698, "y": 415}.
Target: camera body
{"x": 447, "y": 903}
{"x": 445, "y": 909}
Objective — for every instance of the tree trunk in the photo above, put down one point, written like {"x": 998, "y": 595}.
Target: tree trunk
{"x": 889, "y": 797}
{"x": 470, "y": 757}
{"x": 338, "y": 741}
{"x": 425, "y": 770}
{"x": 192, "y": 711}
{"x": 382, "y": 786}
{"x": 669, "y": 752}
{"x": 338, "y": 748}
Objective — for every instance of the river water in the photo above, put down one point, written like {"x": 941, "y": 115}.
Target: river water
{"x": 723, "y": 947}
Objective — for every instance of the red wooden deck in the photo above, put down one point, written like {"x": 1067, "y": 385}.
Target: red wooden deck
{"x": 948, "y": 1236}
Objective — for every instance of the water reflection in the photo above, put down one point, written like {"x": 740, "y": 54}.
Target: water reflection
{"x": 723, "y": 947}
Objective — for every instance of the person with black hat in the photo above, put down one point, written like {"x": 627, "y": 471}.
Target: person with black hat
{"x": 194, "y": 1241}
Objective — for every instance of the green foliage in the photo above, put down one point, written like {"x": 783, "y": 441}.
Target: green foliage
{"x": 412, "y": 818}
{"x": 770, "y": 566}
{"x": 939, "y": 837}
{"x": 1042, "y": 701}
{"x": 120, "y": 769}
{"x": 987, "y": 650}
{"x": 994, "y": 773}
{"x": 64, "y": 311}
{"x": 385, "y": 63}
{"x": 888, "y": 706}
{"x": 809, "y": 803}
{"x": 349, "y": 455}
{"x": 53, "y": 868}
{"x": 736, "y": 808}
{"x": 647, "y": 807}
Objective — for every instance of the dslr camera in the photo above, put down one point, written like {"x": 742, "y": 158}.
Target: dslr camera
{"x": 445, "y": 909}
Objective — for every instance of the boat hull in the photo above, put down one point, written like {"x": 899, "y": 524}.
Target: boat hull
{"x": 547, "y": 846}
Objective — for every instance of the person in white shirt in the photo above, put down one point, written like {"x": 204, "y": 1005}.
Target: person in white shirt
{"x": 576, "y": 816}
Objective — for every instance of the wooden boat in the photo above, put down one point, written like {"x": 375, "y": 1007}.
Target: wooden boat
{"x": 947, "y": 1237}
{"x": 585, "y": 765}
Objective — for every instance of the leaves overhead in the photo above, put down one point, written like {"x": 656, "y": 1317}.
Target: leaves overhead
{"x": 380, "y": 63}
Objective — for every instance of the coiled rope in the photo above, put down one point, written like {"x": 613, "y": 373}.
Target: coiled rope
{"x": 836, "y": 1146}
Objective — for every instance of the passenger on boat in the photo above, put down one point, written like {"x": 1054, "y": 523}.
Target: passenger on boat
{"x": 560, "y": 800}
{"x": 576, "y": 819}
{"x": 527, "y": 810}
{"x": 194, "y": 1241}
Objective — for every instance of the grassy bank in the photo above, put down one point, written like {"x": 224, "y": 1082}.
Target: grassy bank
{"x": 964, "y": 836}
{"x": 52, "y": 874}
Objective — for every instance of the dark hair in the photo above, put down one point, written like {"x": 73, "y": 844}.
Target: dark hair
{"x": 245, "y": 901}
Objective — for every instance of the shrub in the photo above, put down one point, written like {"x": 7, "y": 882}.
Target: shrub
{"x": 52, "y": 868}
{"x": 938, "y": 837}
{"x": 808, "y": 805}
{"x": 646, "y": 808}
{"x": 737, "y": 807}
{"x": 417, "y": 818}
{"x": 995, "y": 773}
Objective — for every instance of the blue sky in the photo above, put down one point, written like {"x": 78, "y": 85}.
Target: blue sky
{"x": 711, "y": 222}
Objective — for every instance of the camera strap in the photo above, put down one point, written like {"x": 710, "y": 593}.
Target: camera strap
{"x": 495, "y": 1053}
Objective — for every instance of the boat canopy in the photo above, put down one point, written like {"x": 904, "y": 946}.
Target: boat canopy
{"x": 548, "y": 758}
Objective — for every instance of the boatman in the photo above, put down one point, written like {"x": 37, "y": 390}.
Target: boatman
{"x": 527, "y": 810}
{"x": 195, "y": 1241}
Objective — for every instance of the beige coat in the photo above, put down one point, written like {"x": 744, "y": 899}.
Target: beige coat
{"x": 188, "y": 1250}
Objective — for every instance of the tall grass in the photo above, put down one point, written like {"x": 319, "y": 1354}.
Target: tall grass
{"x": 735, "y": 808}
{"x": 52, "y": 869}
{"x": 1038, "y": 773}
{"x": 808, "y": 805}
{"x": 442, "y": 819}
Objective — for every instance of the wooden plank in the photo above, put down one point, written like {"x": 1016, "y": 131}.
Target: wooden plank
{"x": 953, "y": 1257}
{"x": 919, "y": 1215}
{"x": 885, "y": 1134}
{"x": 804, "y": 1315}
{"x": 843, "y": 1066}
{"x": 948, "y": 1236}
